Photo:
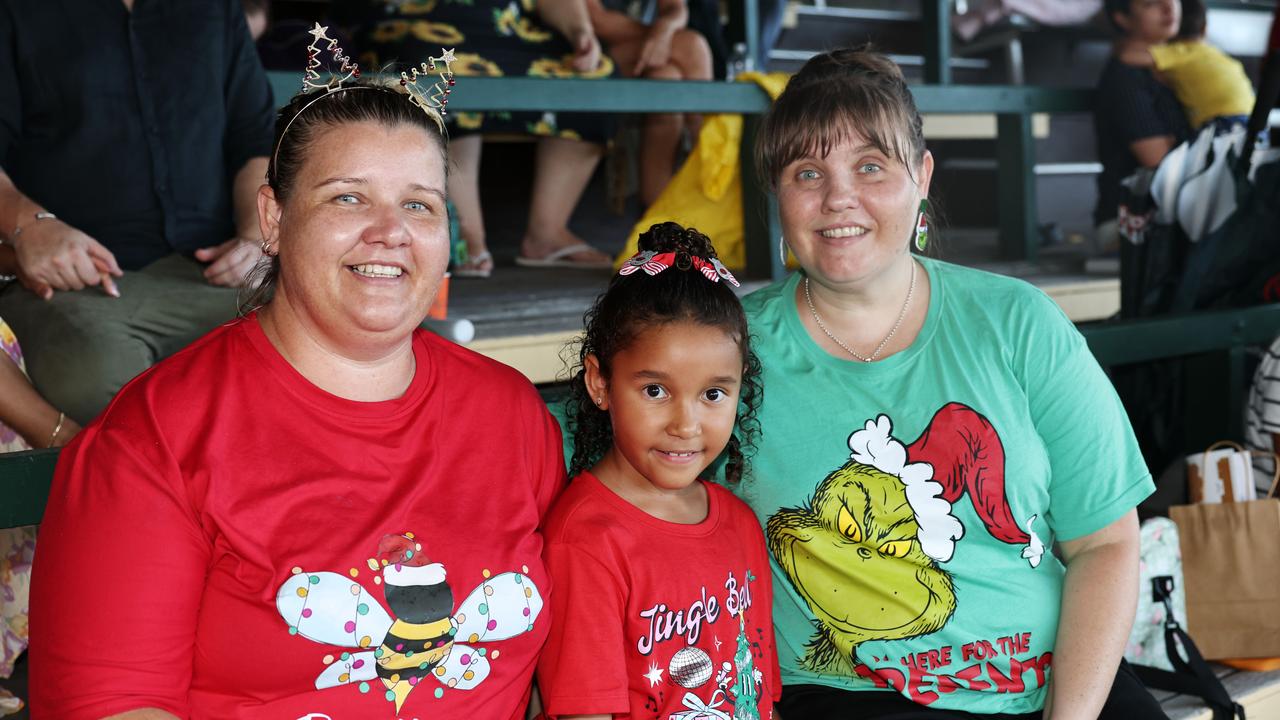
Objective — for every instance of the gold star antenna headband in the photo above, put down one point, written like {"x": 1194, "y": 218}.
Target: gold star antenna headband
{"x": 429, "y": 85}
{"x": 432, "y": 97}
{"x": 312, "y": 80}
{"x": 346, "y": 69}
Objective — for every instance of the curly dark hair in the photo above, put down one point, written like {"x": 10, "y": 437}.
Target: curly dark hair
{"x": 638, "y": 302}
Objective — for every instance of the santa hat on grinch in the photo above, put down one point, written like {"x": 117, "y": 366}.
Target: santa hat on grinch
{"x": 958, "y": 452}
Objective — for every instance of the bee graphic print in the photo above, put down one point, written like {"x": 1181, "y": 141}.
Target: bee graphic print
{"x": 423, "y": 640}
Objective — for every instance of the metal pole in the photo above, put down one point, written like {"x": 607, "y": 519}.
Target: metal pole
{"x": 1016, "y": 183}
{"x": 937, "y": 50}
{"x": 751, "y": 28}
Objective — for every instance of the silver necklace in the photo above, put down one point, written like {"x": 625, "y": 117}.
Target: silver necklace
{"x": 911, "y": 289}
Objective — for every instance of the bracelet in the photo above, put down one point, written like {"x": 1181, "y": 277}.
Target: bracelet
{"x": 62, "y": 417}
{"x": 42, "y": 215}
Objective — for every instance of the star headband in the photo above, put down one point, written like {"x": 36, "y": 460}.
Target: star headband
{"x": 652, "y": 263}
{"x": 432, "y": 97}
{"x": 347, "y": 70}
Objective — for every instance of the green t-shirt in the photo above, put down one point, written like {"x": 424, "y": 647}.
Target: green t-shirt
{"x": 911, "y": 504}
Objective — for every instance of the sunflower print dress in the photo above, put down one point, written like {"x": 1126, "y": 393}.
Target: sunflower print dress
{"x": 494, "y": 38}
{"x": 17, "y": 548}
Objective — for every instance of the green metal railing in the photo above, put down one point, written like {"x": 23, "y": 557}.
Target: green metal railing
{"x": 25, "y": 481}
{"x": 1213, "y": 348}
{"x": 1013, "y": 106}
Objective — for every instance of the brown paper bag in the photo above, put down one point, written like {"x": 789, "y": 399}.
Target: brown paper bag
{"x": 1231, "y": 574}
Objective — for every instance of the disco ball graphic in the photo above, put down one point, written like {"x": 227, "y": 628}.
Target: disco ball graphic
{"x": 690, "y": 667}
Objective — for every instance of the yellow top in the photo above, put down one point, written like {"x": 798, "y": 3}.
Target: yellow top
{"x": 1208, "y": 82}
{"x": 706, "y": 192}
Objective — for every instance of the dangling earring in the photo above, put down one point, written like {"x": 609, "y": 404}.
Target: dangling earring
{"x": 782, "y": 250}
{"x": 922, "y": 226}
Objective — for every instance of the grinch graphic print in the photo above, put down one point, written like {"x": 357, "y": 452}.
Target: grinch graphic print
{"x": 875, "y": 553}
{"x": 421, "y": 641}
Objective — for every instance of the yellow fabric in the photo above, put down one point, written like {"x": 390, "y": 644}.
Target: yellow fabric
{"x": 1208, "y": 82}
{"x": 707, "y": 192}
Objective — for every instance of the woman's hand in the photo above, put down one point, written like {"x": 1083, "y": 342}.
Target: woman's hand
{"x": 586, "y": 50}
{"x": 656, "y": 50}
{"x": 230, "y": 262}
{"x": 571, "y": 19}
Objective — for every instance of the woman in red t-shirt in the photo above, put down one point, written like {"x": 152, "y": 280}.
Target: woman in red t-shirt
{"x": 318, "y": 510}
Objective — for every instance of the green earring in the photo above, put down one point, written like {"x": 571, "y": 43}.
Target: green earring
{"x": 922, "y": 226}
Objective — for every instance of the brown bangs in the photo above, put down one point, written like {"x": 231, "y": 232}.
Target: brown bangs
{"x": 835, "y": 98}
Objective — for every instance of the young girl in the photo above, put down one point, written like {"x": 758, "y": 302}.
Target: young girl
{"x": 661, "y": 600}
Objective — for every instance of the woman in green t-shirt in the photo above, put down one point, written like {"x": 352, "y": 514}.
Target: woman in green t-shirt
{"x": 929, "y": 431}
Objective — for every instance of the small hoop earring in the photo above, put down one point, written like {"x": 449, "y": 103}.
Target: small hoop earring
{"x": 782, "y": 250}
{"x": 266, "y": 248}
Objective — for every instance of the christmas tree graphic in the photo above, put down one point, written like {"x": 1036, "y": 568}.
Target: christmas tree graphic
{"x": 746, "y": 695}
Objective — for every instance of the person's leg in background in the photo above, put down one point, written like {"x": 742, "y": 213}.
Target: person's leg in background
{"x": 691, "y": 52}
{"x": 690, "y": 59}
{"x": 562, "y": 169}
{"x": 82, "y": 346}
{"x": 464, "y": 191}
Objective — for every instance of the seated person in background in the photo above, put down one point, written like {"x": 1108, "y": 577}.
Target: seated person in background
{"x": 26, "y": 421}
{"x": 132, "y": 141}
{"x": 1137, "y": 119}
{"x": 664, "y": 49}
{"x": 1211, "y": 85}
{"x": 1262, "y": 417}
{"x": 320, "y": 482}
{"x": 503, "y": 38}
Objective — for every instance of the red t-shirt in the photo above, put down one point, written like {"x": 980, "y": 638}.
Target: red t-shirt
{"x": 211, "y": 546}
{"x": 646, "y": 612}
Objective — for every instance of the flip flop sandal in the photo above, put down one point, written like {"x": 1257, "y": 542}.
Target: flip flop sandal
{"x": 474, "y": 267}
{"x": 560, "y": 259}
